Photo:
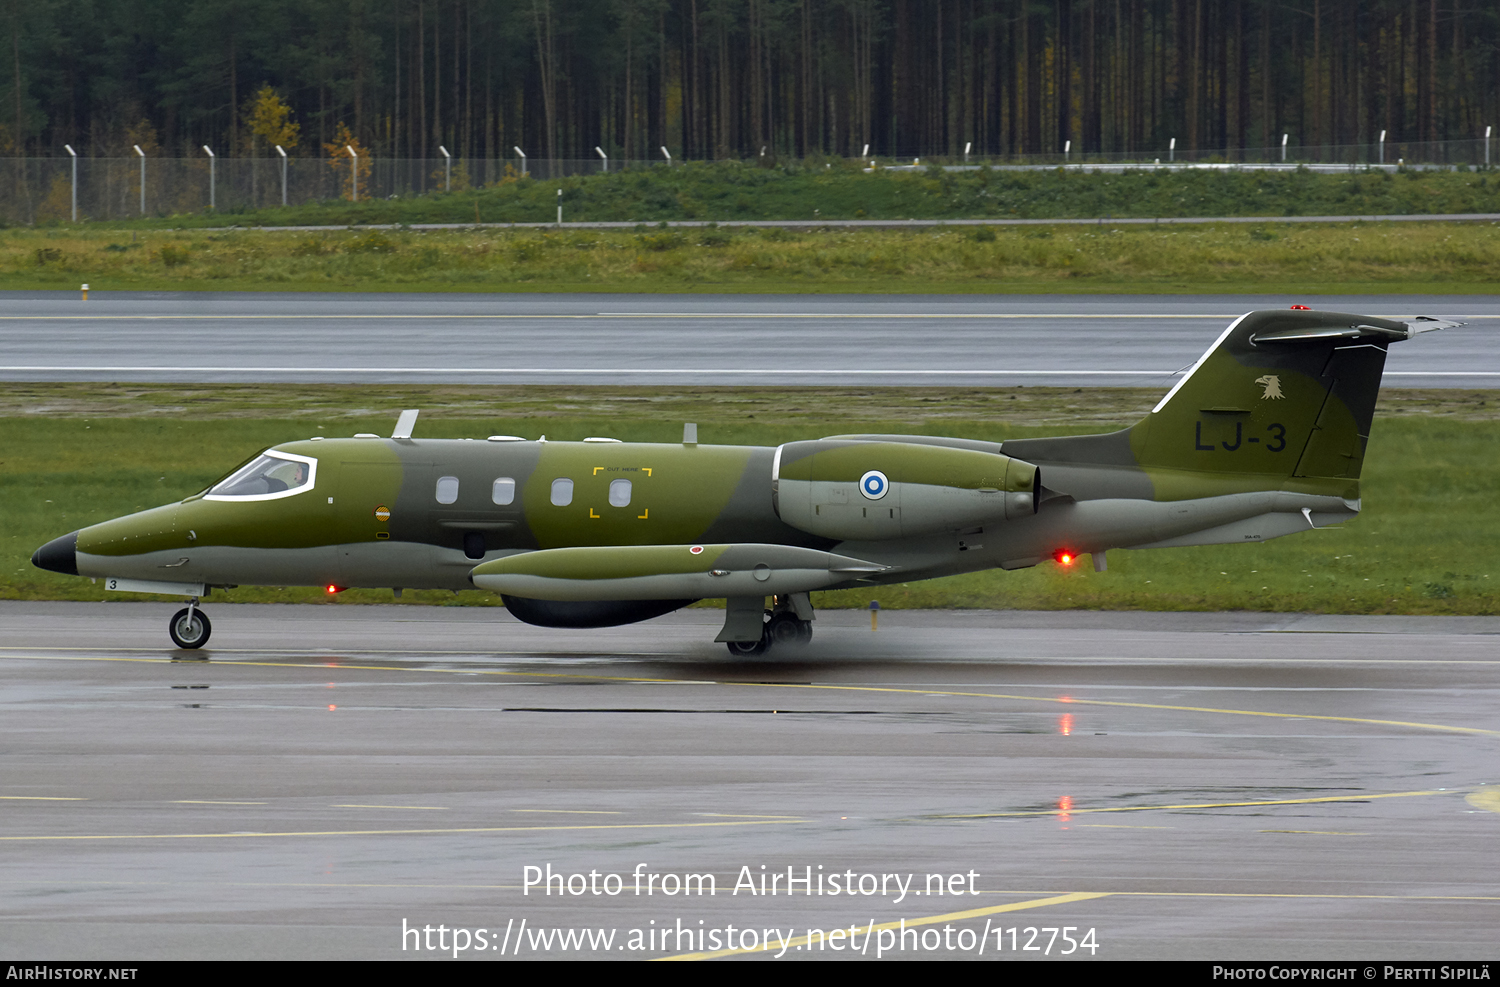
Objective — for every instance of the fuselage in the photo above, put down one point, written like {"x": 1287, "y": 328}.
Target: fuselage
{"x": 423, "y": 513}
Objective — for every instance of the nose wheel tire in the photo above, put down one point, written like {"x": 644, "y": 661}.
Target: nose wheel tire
{"x": 190, "y": 628}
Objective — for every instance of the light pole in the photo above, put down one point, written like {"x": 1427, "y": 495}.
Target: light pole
{"x": 967, "y": 145}
{"x": 353, "y": 173}
{"x": 522, "y": 153}
{"x": 1283, "y": 146}
{"x": 1382, "y": 147}
{"x": 143, "y": 177}
{"x": 1067, "y": 151}
{"x": 212, "y": 175}
{"x": 666, "y": 154}
{"x": 447, "y": 169}
{"x": 1487, "y": 146}
{"x": 1172, "y": 150}
{"x": 559, "y": 208}
{"x": 282, "y": 152}
{"x": 74, "y": 155}
{"x": 602, "y": 156}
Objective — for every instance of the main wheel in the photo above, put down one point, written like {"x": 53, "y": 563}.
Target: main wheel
{"x": 785, "y": 629}
{"x": 190, "y": 628}
{"x": 748, "y": 649}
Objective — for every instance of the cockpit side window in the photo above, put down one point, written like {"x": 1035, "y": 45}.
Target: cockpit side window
{"x": 267, "y": 477}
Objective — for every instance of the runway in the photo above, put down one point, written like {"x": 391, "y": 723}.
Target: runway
{"x": 1191, "y": 786}
{"x": 980, "y": 340}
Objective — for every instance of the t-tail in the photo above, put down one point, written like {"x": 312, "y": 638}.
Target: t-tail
{"x": 1283, "y": 400}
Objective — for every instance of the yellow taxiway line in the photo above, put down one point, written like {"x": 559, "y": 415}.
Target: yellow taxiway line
{"x": 1059, "y": 700}
{"x": 391, "y": 832}
{"x": 872, "y": 928}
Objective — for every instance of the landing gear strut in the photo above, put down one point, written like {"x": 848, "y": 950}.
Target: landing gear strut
{"x": 190, "y": 627}
{"x": 787, "y": 624}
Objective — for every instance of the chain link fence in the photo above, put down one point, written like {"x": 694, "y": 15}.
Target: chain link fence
{"x": 48, "y": 190}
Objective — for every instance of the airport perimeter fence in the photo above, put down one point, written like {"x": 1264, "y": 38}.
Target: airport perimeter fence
{"x": 62, "y": 189}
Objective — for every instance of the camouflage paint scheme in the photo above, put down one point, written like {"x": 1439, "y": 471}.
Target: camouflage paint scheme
{"x": 1263, "y": 437}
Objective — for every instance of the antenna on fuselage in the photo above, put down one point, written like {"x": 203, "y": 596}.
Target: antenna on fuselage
{"x": 406, "y": 423}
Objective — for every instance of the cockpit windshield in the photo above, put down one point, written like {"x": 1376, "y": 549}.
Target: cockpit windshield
{"x": 270, "y": 475}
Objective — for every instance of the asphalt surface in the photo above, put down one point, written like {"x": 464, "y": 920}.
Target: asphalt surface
{"x": 1053, "y": 340}
{"x": 1209, "y": 786}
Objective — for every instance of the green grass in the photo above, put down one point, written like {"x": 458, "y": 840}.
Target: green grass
{"x": 843, "y": 190}
{"x": 1358, "y": 257}
{"x": 78, "y": 454}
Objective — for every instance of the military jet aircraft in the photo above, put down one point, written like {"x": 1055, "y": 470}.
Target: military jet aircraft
{"x": 1264, "y": 436}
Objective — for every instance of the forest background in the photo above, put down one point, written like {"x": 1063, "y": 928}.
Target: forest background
{"x": 715, "y": 79}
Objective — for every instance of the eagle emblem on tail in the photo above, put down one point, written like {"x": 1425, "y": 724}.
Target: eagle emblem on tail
{"x": 1272, "y": 385}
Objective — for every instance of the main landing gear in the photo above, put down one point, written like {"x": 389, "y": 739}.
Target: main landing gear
{"x": 190, "y": 627}
{"x": 784, "y": 627}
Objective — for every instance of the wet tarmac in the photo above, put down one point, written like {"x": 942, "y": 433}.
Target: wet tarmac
{"x": 492, "y": 338}
{"x": 321, "y": 778}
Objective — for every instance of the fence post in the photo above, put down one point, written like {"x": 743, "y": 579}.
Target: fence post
{"x": 666, "y": 154}
{"x": 1382, "y": 147}
{"x": 75, "y": 179}
{"x": 522, "y": 153}
{"x": 283, "y": 173}
{"x": 1283, "y": 147}
{"x": 602, "y": 156}
{"x": 447, "y": 169}
{"x": 143, "y": 177}
{"x": 353, "y": 173}
{"x": 213, "y": 201}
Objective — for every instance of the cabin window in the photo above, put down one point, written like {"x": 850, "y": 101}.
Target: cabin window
{"x": 504, "y": 491}
{"x": 447, "y": 489}
{"x": 267, "y": 476}
{"x": 562, "y": 492}
{"x": 619, "y": 493}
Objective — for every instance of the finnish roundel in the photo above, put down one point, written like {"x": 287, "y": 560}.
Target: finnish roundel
{"x": 874, "y": 485}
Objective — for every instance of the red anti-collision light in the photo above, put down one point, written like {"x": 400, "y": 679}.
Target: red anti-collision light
{"x": 1064, "y": 556}
{"x": 1301, "y": 308}
{"x": 335, "y": 589}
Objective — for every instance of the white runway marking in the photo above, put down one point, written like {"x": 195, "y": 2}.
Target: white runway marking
{"x": 424, "y": 317}
{"x": 706, "y": 371}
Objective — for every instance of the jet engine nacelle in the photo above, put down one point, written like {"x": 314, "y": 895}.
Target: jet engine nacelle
{"x": 861, "y": 491}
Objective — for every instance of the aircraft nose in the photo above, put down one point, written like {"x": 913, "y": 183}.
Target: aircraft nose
{"x": 58, "y": 555}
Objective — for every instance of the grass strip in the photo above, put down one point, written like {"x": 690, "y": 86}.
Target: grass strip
{"x": 1345, "y": 258}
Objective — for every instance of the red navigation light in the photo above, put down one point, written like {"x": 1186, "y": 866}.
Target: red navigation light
{"x": 1301, "y": 308}
{"x": 1065, "y": 556}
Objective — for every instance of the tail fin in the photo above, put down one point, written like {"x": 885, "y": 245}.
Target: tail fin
{"x": 1281, "y": 394}
{"x": 1284, "y": 393}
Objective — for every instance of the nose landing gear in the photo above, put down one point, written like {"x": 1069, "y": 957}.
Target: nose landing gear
{"x": 190, "y": 627}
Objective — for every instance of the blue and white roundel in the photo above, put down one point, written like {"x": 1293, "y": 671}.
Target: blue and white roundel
{"x": 874, "y": 485}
